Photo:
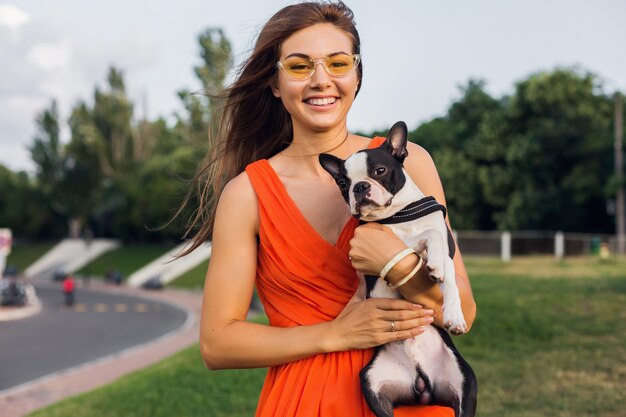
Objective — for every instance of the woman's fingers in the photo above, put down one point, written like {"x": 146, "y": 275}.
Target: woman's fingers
{"x": 401, "y": 325}
{"x": 376, "y": 321}
{"x": 400, "y": 309}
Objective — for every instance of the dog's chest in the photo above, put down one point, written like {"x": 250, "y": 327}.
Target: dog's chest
{"x": 409, "y": 232}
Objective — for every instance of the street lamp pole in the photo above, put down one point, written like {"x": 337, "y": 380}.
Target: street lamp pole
{"x": 620, "y": 205}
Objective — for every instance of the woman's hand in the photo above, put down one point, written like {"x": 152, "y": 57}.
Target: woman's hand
{"x": 373, "y": 322}
{"x": 372, "y": 246}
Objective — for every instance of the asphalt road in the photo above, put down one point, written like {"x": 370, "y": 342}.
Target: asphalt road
{"x": 60, "y": 337}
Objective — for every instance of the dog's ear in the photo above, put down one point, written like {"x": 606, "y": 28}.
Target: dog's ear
{"x": 331, "y": 164}
{"x": 396, "y": 141}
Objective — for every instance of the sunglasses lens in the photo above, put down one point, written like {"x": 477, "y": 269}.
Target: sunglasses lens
{"x": 340, "y": 64}
{"x": 299, "y": 68}
{"x": 302, "y": 68}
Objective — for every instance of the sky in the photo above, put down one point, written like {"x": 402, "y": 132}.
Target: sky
{"x": 416, "y": 53}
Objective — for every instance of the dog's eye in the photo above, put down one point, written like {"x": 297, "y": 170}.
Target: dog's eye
{"x": 380, "y": 171}
{"x": 342, "y": 184}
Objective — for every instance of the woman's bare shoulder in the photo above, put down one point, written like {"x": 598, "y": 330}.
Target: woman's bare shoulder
{"x": 238, "y": 201}
{"x": 240, "y": 187}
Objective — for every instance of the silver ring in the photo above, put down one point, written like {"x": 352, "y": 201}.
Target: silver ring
{"x": 393, "y": 326}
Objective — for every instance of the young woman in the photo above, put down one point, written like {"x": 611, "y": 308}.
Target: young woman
{"x": 278, "y": 221}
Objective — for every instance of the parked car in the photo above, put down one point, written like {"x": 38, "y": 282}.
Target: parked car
{"x": 58, "y": 275}
{"x": 12, "y": 293}
{"x": 153, "y": 283}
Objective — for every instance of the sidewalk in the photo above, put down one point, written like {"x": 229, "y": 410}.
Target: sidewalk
{"x": 33, "y": 395}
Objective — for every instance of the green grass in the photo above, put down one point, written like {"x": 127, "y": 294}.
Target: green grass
{"x": 549, "y": 340}
{"x": 192, "y": 279}
{"x": 22, "y": 256}
{"x": 178, "y": 386}
{"x": 129, "y": 259}
{"x": 126, "y": 259}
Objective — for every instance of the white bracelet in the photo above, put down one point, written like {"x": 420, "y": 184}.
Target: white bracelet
{"x": 407, "y": 277}
{"x": 394, "y": 261}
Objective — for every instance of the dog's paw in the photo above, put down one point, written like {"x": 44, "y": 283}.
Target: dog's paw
{"x": 455, "y": 325}
{"x": 453, "y": 320}
{"x": 435, "y": 271}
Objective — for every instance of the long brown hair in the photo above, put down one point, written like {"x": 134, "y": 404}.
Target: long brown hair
{"x": 254, "y": 123}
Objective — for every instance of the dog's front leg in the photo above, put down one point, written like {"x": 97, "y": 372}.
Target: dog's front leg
{"x": 431, "y": 246}
{"x": 453, "y": 319}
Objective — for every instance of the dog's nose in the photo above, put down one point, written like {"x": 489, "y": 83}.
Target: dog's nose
{"x": 361, "y": 188}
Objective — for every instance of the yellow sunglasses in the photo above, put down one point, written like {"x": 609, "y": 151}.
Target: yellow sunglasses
{"x": 302, "y": 67}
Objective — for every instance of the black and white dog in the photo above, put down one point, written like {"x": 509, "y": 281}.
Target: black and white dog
{"x": 427, "y": 369}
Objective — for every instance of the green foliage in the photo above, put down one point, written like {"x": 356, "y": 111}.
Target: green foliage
{"x": 558, "y": 132}
{"x": 46, "y": 149}
{"x": 523, "y": 162}
{"x": 456, "y": 143}
{"x": 25, "y": 209}
{"x": 203, "y": 108}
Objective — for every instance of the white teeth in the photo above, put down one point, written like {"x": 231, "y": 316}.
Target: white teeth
{"x": 321, "y": 101}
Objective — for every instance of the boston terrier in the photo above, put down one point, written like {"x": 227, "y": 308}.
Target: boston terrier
{"x": 426, "y": 369}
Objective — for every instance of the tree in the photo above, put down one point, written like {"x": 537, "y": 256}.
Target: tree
{"x": 82, "y": 177}
{"x": 46, "y": 150}
{"x": 453, "y": 142}
{"x": 203, "y": 108}
{"x": 112, "y": 115}
{"x": 24, "y": 209}
{"x": 555, "y": 149}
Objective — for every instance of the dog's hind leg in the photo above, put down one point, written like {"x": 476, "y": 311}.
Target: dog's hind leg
{"x": 387, "y": 381}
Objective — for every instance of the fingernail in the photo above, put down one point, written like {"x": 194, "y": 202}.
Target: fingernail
{"x": 429, "y": 319}
{"x": 417, "y": 306}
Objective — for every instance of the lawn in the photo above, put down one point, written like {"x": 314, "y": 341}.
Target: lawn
{"x": 22, "y": 256}
{"x": 549, "y": 340}
{"x": 126, "y": 259}
{"x": 192, "y": 279}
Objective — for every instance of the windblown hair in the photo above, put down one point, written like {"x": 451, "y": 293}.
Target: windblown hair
{"x": 254, "y": 124}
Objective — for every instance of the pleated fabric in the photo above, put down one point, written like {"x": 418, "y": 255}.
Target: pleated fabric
{"x": 302, "y": 280}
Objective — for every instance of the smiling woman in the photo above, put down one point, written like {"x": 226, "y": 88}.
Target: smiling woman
{"x": 278, "y": 221}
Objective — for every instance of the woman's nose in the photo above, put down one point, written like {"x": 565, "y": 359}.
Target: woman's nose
{"x": 320, "y": 76}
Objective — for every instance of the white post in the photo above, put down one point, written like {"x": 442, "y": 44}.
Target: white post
{"x": 505, "y": 247}
{"x": 559, "y": 245}
{"x": 5, "y": 248}
{"x": 3, "y": 264}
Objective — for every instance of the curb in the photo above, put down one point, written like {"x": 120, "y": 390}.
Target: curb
{"x": 16, "y": 313}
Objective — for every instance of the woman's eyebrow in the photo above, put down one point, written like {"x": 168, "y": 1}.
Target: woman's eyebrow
{"x": 300, "y": 55}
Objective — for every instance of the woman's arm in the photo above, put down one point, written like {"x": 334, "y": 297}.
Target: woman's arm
{"x": 369, "y": 255}
{"x": 227, "y": 340}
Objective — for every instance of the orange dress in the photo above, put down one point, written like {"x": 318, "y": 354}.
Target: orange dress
{"x": 302, "y": 280}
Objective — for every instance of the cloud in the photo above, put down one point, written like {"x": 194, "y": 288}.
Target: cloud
{"x": 44, "y": 60}
{"x": 51, "y": 56}
{"x": 13, "y": 17}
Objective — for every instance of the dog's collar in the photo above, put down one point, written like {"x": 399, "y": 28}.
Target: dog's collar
{"x": 415, "y": 210}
